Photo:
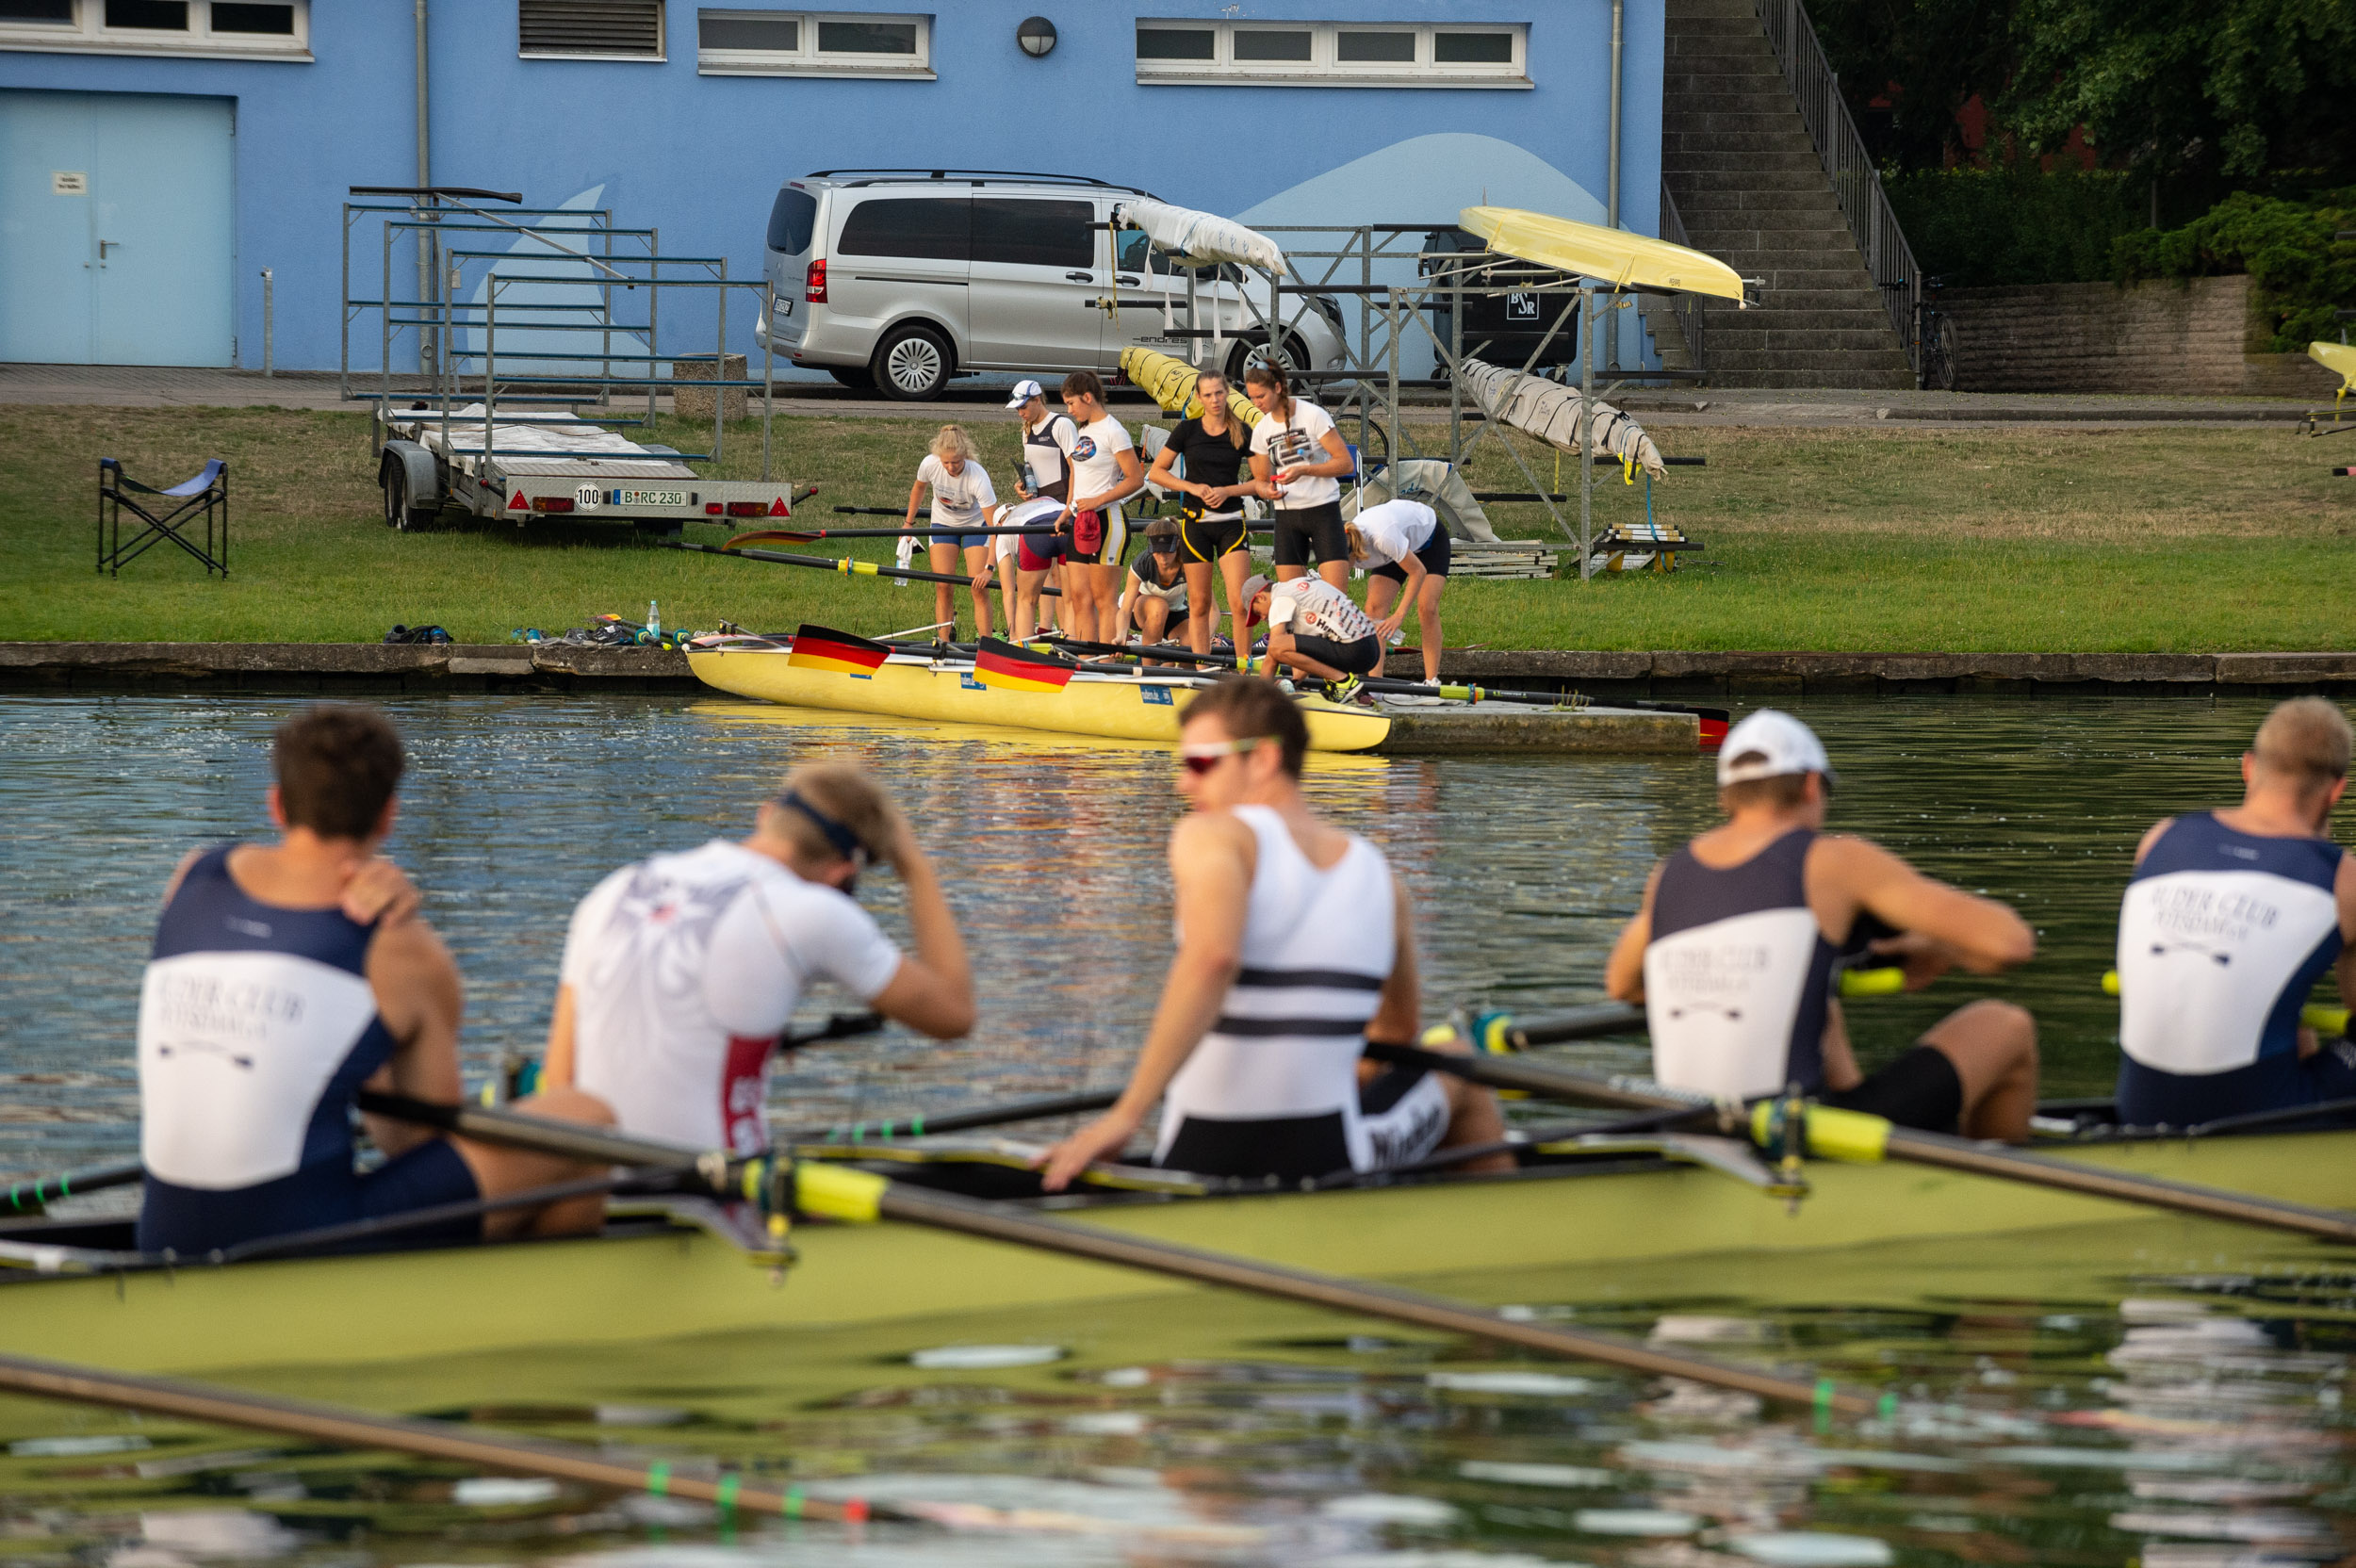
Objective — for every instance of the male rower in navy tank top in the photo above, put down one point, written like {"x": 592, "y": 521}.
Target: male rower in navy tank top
{"x": 1737, "y": 946}
{"x": 2231, "y": 919}
{"x": 267, "y": 1006}
{"x": 1295, "y": 946}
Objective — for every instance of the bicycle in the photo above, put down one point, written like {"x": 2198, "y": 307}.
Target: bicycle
{"x": 1934, "y": 341}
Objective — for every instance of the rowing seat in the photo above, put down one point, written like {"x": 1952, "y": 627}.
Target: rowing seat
{"x": 163, "y": 515}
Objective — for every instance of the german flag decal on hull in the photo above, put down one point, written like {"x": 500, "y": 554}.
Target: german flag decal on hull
{"x": 819, "y": 647}
{"x": 1002, "y": 664}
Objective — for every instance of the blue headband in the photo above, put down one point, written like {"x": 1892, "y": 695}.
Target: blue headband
{"x": 846, "y": 843}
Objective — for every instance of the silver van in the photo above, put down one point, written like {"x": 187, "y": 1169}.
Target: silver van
{"x": 896, "y": 279}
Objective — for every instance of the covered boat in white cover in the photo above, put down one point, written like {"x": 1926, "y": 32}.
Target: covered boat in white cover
{"x": 1560, "y": 416}
{"x": 1200, "y": 239}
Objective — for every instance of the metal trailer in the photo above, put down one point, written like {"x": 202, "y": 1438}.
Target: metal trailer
{"x": 463, "y": 432}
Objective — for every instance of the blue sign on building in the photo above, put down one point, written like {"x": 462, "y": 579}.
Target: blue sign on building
{"x": 155, "y": 155}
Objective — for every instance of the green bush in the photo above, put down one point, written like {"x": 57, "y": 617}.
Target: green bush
{"x": 1975, "y": 227}
{"x": 2299, "y": 271}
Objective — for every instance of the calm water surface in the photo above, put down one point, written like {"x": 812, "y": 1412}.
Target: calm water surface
{"x": 2195, "y": 1422}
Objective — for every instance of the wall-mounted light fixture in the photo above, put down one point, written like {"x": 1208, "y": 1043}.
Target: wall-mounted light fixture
{"x": 1037, "y": 34}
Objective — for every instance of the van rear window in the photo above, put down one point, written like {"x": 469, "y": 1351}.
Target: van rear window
{"x": 1026, "y": 232}
{"x": 791, "y": 221}
{"x": 933, "y": 228}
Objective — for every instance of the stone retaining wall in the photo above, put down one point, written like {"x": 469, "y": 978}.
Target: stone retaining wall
{"x": 356, "y": 668}
{"x": 2188, "y": 338}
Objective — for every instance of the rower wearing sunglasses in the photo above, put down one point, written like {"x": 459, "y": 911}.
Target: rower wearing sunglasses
{"x": 1295, "y": 946}
{"x": 681, "y": 971}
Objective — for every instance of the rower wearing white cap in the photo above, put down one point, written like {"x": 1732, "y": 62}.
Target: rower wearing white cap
{"x": 1040, "y": 471}
{"x": 1736, "y": 947}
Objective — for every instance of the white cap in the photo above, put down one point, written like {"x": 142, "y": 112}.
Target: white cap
{"x": 1253, "y": 586}
{"x": 1023, "y": 392}
{"x": 1778, "y": 744}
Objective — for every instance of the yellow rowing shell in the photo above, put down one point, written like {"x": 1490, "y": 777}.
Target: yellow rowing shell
{"x": 1116, "y": 706}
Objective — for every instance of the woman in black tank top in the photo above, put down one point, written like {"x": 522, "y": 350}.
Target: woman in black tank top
{"x": 1216, "y": 454}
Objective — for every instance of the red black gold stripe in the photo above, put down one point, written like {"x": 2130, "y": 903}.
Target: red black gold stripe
{"x": 819, "y": 647}
{"x": 1003, "y": 665}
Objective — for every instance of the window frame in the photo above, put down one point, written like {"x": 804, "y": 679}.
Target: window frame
{"x": 88, "y": 34}
{"x": 810, "y": 60}
{"x": 1324, "y": 67}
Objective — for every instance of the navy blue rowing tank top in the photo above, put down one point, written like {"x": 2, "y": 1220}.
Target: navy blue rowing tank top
{"x": 1738, "y": 974}
{"x": 258, "y": 1026}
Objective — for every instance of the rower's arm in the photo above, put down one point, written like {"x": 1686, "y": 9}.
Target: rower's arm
{"x": 1163, "y": 476}
{"x": 1980, "y": 935}
{"x": 1210, "y": 861}
{"x": 933, "y": 990}
{"x": 419, "y": 997}
{"x": 916, "y": 494}
{"x": 556, "y": 1062}
{"x": 2346, "y": 889}
{"x": 1398, "y": 1015}
{"x": 1624, "y": 972}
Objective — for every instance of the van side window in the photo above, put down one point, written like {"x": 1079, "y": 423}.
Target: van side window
{"x": 1029, "y": 233}
{"x": 933, "y": 228}
{"x": 791, "y": 221}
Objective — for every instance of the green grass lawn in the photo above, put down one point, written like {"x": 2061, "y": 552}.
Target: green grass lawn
{"x": 2051, "y": 539}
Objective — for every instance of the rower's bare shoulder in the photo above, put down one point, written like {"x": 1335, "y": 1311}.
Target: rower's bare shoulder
{"x": 1850, "y": 859}
{"x": 411, "y": 952}
{"x": 1208, "y": 832}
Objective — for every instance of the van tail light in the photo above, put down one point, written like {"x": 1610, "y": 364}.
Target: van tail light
{"x": 552, "y": 503}
{"x": 814, "y": 287}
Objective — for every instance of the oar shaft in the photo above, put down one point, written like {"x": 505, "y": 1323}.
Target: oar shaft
{"x": 1003, "y": 1222}
{"x": 351, "y": 1428}
{"x": 846, "y": 565}
{"x": 959, "y": 1121}
{"x": 1576, "y": 1023}
{"x": 33, "y": 1196}
{"x": 516, "y": 1129}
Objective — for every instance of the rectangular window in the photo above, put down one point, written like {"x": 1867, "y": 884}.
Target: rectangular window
{"x": 250, "y": 29}
{"x": 1029, "y": 233}
{"x": 792, "y": 220}
{"x": 589, "y": 29}
{"x": 1353, "y": 46}
{"x": 926, "y": 228}
{"x": 1332, "y": 53}
{"x": 812, "y": 43}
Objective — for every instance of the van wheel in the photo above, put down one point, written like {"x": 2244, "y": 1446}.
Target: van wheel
{"x": 913, "y": 364}
{"x": 1243, "y": 356}
{"x": 859, "y": 378}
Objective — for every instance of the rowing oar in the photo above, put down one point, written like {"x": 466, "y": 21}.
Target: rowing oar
{"x": 847, "y": 566}
{"x": 351, "y": 1428}
{"x": 2325, "y": 1021}
{"x": 36, "y": 1195}
{"x": 792, "y": 536}
{"x": 1833, "y": 1133}
{"x": 835, "y": 1192}
{"x": 1502, "y": 1033}
{"x": 959, "y": 1122}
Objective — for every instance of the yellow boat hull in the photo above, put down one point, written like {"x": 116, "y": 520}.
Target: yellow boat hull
{"x": 1113, "y": 707}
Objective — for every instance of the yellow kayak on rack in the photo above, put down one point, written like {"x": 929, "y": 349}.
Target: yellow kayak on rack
{"x": 1615, "y": 256}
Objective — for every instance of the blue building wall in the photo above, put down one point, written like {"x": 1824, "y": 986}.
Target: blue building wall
{"x": 702, "y": 157}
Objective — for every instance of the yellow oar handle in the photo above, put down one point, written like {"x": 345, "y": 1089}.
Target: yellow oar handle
{"x": 1831, "y": 1134}
{"x": 1884, "y": 980}
{"x": 833, "y": 1192}
{"x": 2323, "y": 1019}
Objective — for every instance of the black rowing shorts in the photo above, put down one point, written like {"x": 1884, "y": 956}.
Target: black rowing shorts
{"x": 1306, "y": 535}
{"x": 1919, "y": 1089}
{"x": 1208, "y": 538}
{"x": 1358, "y": 658}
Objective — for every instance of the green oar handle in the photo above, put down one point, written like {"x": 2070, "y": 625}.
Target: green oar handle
{"x": 2322, "y": 1018}
{"x": 443, "y": 1439}
{"x": 37, "y": 1194}
{"x": 841, "y": 1193}
{"x": 1900, "y": 1143}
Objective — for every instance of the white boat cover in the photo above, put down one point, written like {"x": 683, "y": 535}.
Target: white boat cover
{"x": 1557, "y": 415}
{"x": 1437, "y": 483}
{"x": 1200, "y": 238}
{"x": 575, "y": 447}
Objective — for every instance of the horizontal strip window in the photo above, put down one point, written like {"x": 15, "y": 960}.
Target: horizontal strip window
{"x": 1332, "y": 53}
{"x": 813, "y": 43}
{"x": 268, "y": 29}
{"x": 589, "y": 29}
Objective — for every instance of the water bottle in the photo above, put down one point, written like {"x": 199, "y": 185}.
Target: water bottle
{"x": 1030, "y": 479}
{"x": 654, "y": 622}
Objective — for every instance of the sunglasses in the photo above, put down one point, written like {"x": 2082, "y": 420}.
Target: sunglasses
{"x": 1202, "y": 757}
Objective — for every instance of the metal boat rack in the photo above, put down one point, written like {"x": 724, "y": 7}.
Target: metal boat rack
{"x": 1368, "y": 385}
{"x": 466, "y": 428}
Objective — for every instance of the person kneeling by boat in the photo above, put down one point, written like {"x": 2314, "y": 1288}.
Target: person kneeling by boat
{"x": 1157, "y": 586}
{"x": 2231, "y": 919}
{"x": 680, "y": 971}
{"x": 1316, "y": 629}
{"x": 1405, "y": 550}
{"x": 1739, "y": 938}
{"x": 281, "y": 984}
{"x": 1296, "y": 945}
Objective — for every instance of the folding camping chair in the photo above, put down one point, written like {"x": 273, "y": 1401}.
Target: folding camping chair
{"x": 207, "y": 492}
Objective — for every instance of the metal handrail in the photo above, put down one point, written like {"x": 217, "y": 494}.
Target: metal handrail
{"x": 1856, "y": 183}
{"x": 1685, "y": 309}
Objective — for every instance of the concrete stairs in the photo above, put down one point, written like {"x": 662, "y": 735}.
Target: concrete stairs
{"x": 1753, "y": 192}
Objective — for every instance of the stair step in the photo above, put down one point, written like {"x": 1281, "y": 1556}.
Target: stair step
{"x": 1798, "y": 215}
{"x": 1729, "y": 166}
{"x": 1764, "y": 188}
{"x": 1732, "y": 342}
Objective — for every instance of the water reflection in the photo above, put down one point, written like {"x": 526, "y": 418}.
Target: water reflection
{"x": 1523, "y": 869}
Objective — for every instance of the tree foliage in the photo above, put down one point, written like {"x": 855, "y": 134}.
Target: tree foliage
{"x": 1926, "y": 58}
{"x": 2299, "y": 271}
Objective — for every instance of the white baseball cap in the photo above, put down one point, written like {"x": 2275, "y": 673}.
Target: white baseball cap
{"x": 1769, "y": 744}
{"x": 1023, "y": 392}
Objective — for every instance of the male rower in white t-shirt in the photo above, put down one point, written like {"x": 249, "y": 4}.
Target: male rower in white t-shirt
{"x": 1314, "y": 629}
{"x": 681, "y": 971}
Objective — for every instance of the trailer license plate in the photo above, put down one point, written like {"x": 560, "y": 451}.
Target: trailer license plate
{"x": 651, "y": 497}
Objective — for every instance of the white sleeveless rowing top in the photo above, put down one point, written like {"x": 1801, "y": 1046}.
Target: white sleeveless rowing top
{"x": 1317, "y": 946}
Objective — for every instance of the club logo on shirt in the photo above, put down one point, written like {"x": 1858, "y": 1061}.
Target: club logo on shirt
{"x": 1292, "y": 448}
{"x": 1083, "y": 448}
